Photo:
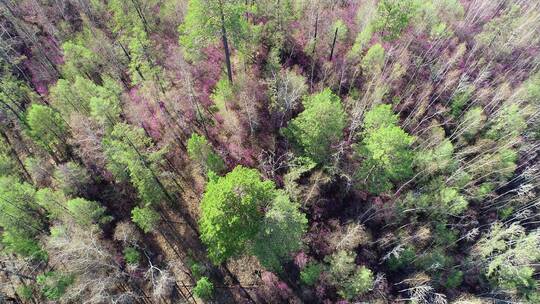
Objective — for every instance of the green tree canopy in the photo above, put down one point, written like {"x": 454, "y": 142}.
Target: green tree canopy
{"x": 373, "y": 61}
{"x": 79, "y": 95}
{"x": 87, "y": 213}
{"x": 8, "y": 165}
{"x": 52, "y": 201}
{"x": 472, "y": 122}
{"x": 311, "y": 274}
{"x": 72, "y": 96}
{"x": 437, "y": 199}
{"x": 132, "y": 155}
{"x": 393, "y": 16}
{"x": 509, "y": 254}
{"x": 232, "y": 211}
{"x": 509, "y": 123}
{"x": 71, "y": 178}
{"x": 281, "y": 232}
{"x": 208, "y": 20}
{"x": 80, "y": 61}
{"x": 146, "y": 218}
{"x": 204, "y": 289}
{"x": 47, "y": 128}
{"x": 14, "y": 94}
{"x": 201, "y": 151}
{"x": 385, "y": 151}
{"x": 203, "y": 24}
{"x": 20, "y": 217}
{"x": 234, "y": 220}
{"x": 319, "y": 126}
{"x": 142, "y": 64}
{"x": 53, "y": 285}
{"x": 130, "y": 14}
{"x": 350, "y": 279}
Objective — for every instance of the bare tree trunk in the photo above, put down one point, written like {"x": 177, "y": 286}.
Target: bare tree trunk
{"x": 225, "y": 44}
{"x": 16, "y": 156}
{"x": 333, "y": 45}
{"x": 313, "y": 50}
{"x": 140, "y": 13}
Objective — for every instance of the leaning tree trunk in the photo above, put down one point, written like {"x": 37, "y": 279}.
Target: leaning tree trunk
{"x": 333, "y": 45}
{"x": 225, "y": 44}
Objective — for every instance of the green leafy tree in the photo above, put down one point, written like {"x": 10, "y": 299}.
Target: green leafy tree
{"x": 77, "y": 95}
{"x": 201, "y": 151}
{"x": 130, "y": 14}
{"x": 385, "y": 151}
{"x": 393, "y": 16}
{"x": 340, "y": 266}
{"x": 403, "y": 260}
{"x": 87, "y": 213}
{"x": 380, "y": 116}
{"x": 20, "y": 218}
{"x": 105, "y": 110}
{"x": 105, "y": 105}
{"x": 53, "y": 285}
{"x": 311, "y": 274}
{"x": 359, "y": 283}
{"x": 286, "y": 90}
{"x": 197, "y": 269}
{"x": 231, "y": 211}
{"x": 204, "y": 289}
{"x": 132, "y": 156}
{"x": 438, "y": 159}
{"x": 509, "y": 254}
{"x": 146, "y": 218}
{"x": 472, "y": 122}
{"x": 496, "y": 167}
{"x": 71, "y": 178}
{"x": 25, "y": 292}
{"x": 14, "y": 94}
{"x": 319, "y": 126}
{"x": 373, "y": 61}
{"x": 9, "y": 161}
{"x": 438, "y": 198}
{"x": 460, "y": 99}
{"x": 24, "y": 246}
{"x": 142, "y": 64}
{"x": 47, "y": 128}
{"x": 454, "y": 280}
{"x": 281, "y": 233}
{"x": 350, "y": 279}
{"x": 502, "y": 34}
{"x": 208, "y": 20}
{"x": 54, "y": 201}
{"x": 72, "y": 95}
{"x": 531, "y": 88}
{"x": 338, "y": 32}
{"x": 298, "y": 166}
{"x": 361, "y": 42}
{"x": 132, "y": 256}
{"x": 509, "y": 123}
{"x": 79, "y": 60}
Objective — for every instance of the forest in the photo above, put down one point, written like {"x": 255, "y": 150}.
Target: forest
{"x": 270, "y": 151}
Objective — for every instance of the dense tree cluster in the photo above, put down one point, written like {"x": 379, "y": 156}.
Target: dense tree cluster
{"x": 269, "y": 151}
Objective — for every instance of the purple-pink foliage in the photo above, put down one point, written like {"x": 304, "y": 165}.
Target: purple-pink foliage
{"x": 275, "y": 289}
{"x": 144, "y": 113}
{"x": 348, "y": 14}
{"x": 207, "y": 72}
{"x": 301, "y": 259}
{"x": 320, "y": 291}
{"x": 243, "y": 156}
{"x": 317, "y": 236}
